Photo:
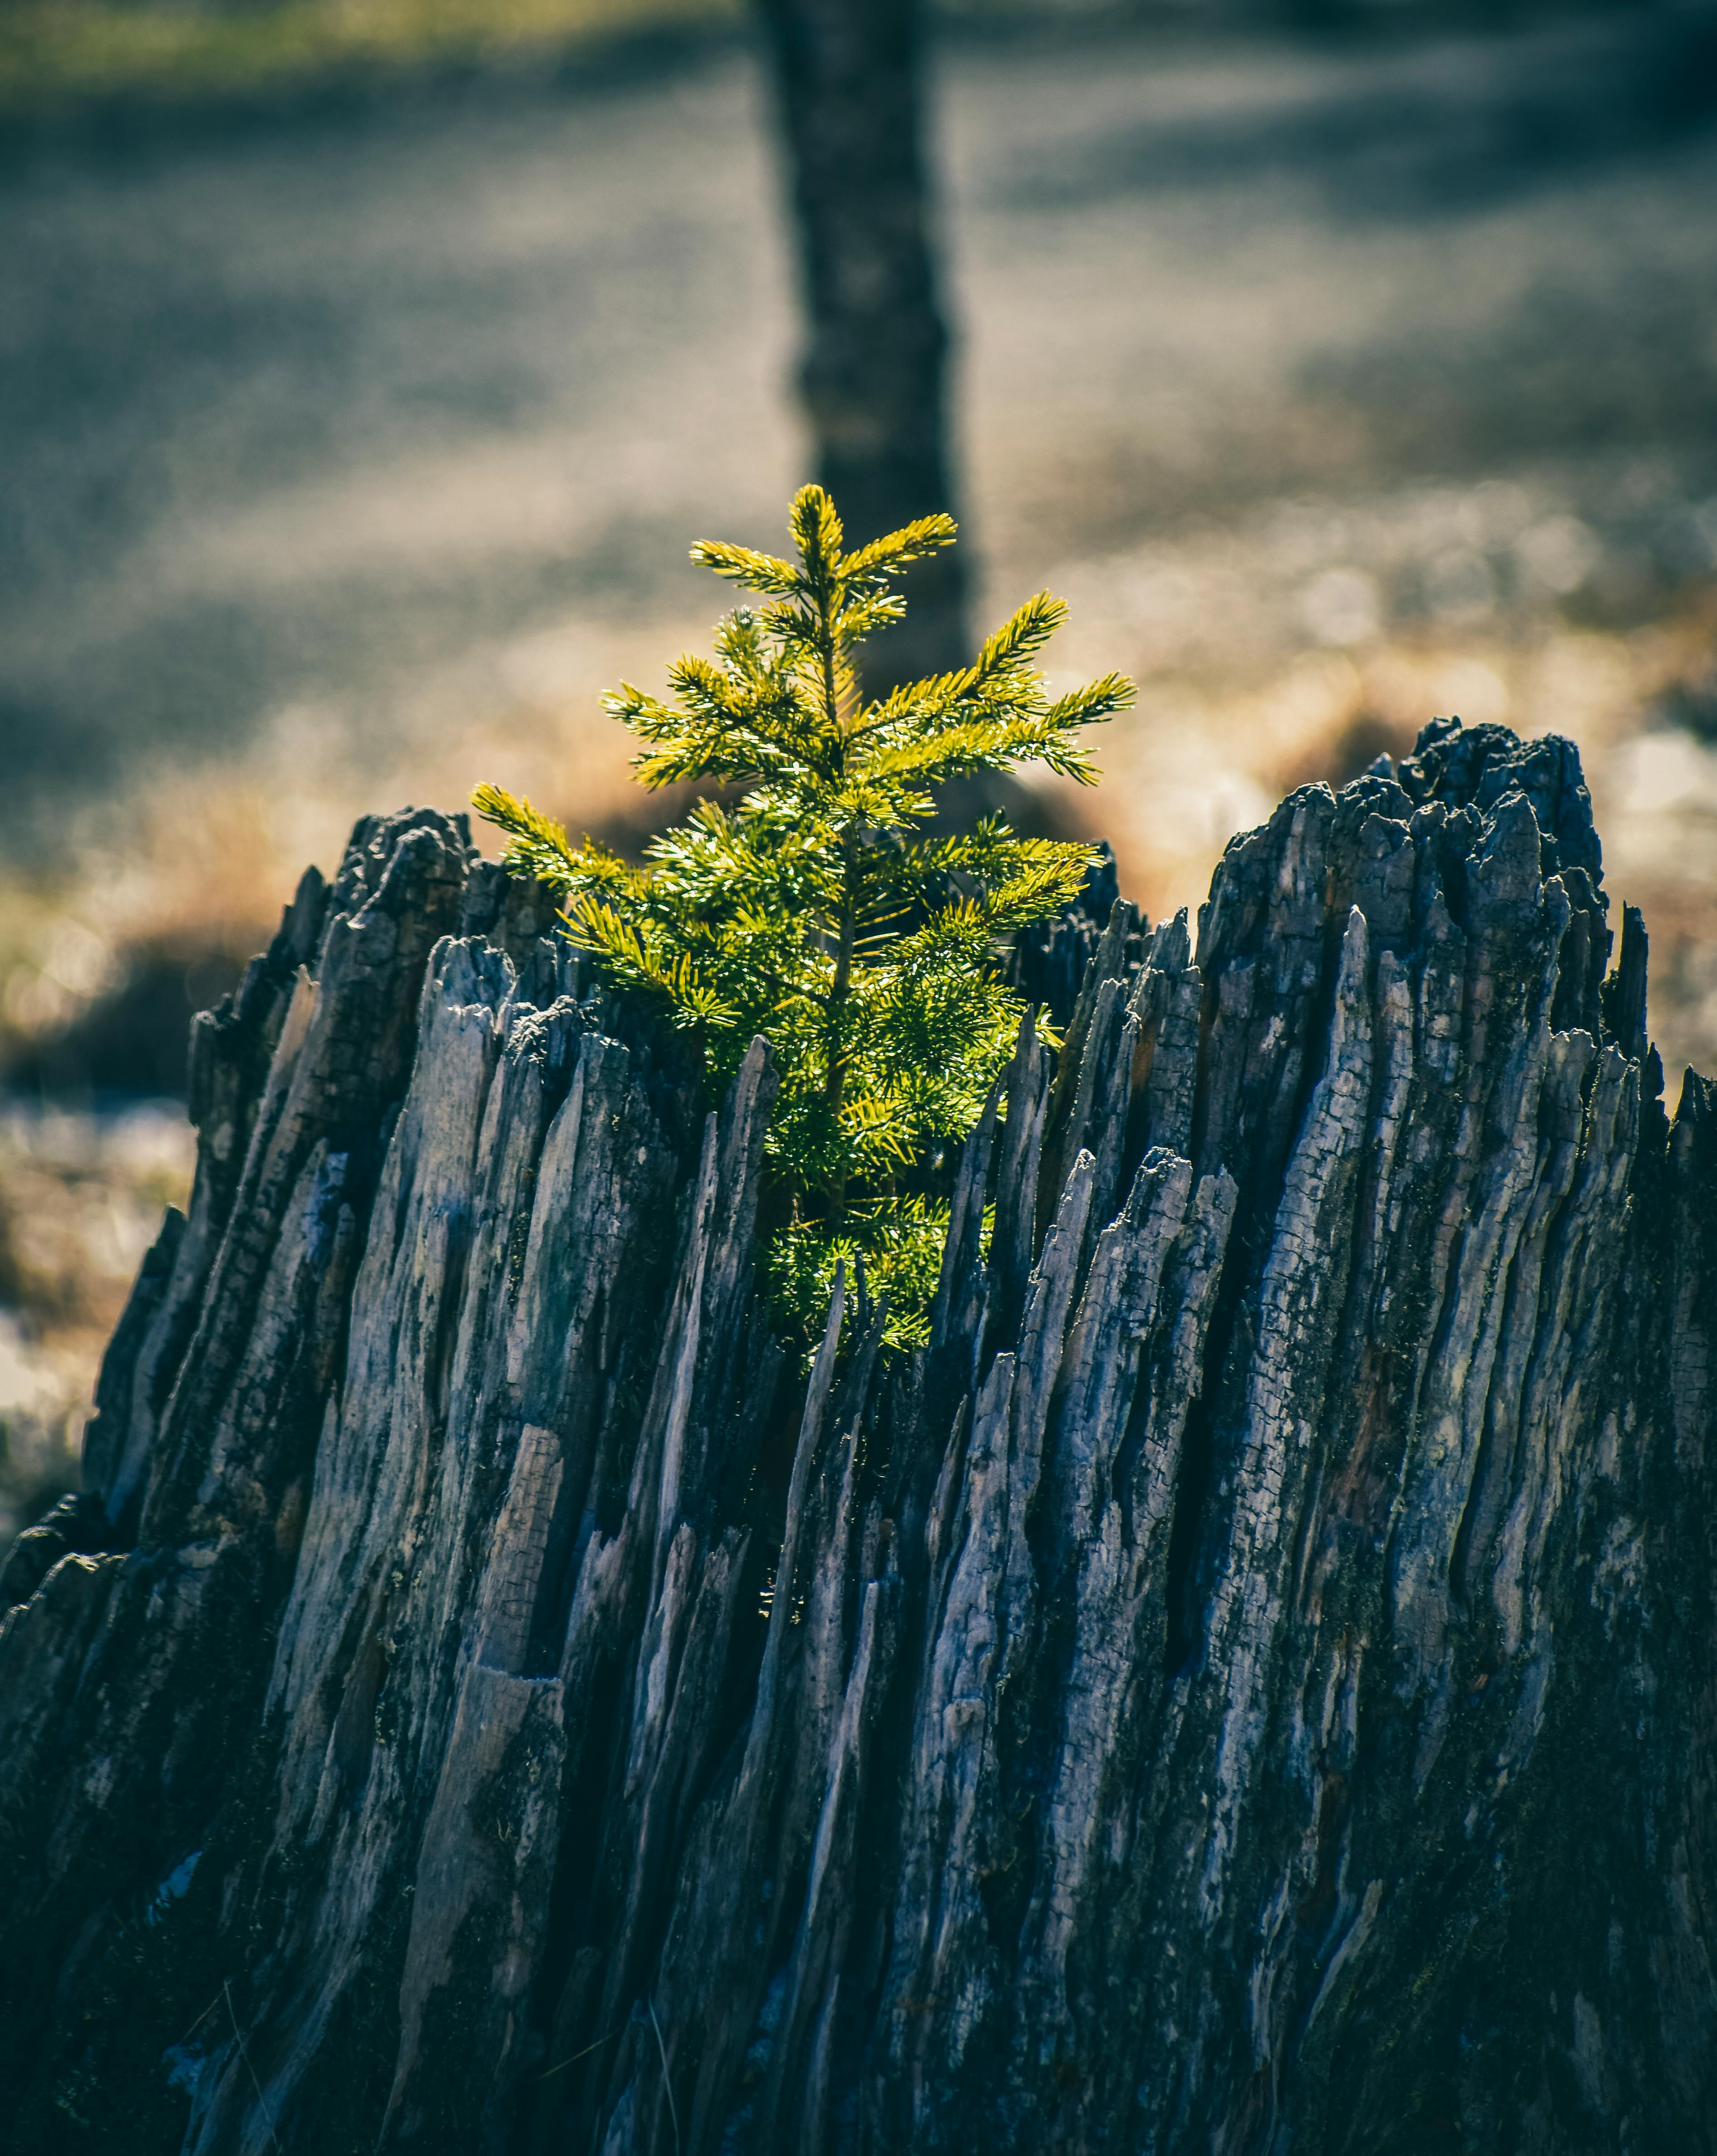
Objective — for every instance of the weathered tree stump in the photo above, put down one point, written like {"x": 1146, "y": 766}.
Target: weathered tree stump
{"x": 1246, "y": 1686}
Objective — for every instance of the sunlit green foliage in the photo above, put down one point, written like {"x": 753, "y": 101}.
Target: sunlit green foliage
{"x": 899, "y": 1242}
{"x": 818, "y": 909}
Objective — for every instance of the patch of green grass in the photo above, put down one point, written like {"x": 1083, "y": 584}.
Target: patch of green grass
{"x": 60, "y": 51}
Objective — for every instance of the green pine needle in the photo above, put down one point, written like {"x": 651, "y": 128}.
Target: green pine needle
{"x": 815, "y": 910}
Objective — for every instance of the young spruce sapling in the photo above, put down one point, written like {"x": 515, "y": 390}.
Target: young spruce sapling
{"x": 818, "y": 909}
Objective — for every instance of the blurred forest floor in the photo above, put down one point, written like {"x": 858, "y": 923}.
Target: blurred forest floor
{"x": 354, "y": 444}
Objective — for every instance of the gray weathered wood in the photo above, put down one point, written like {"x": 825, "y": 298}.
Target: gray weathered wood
{"x": 1245, "y": 1686}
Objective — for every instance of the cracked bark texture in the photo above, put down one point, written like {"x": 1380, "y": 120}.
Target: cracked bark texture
{"x": 1246, "y": 1686}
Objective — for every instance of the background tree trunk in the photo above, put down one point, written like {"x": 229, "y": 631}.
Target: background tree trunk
{"x": 848, "y": 77}
{"x": 1246, "y": 1685}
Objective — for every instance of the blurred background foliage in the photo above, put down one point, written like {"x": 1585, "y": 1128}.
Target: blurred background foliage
{"x": 367, "y": 366}
{"x": 55, "y": 51}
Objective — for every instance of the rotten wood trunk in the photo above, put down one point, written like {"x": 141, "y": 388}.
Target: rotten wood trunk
{"x": 1247, "y": 1685}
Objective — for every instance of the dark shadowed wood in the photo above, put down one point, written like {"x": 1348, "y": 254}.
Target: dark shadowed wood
{"x": 1245, "y": 1686}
